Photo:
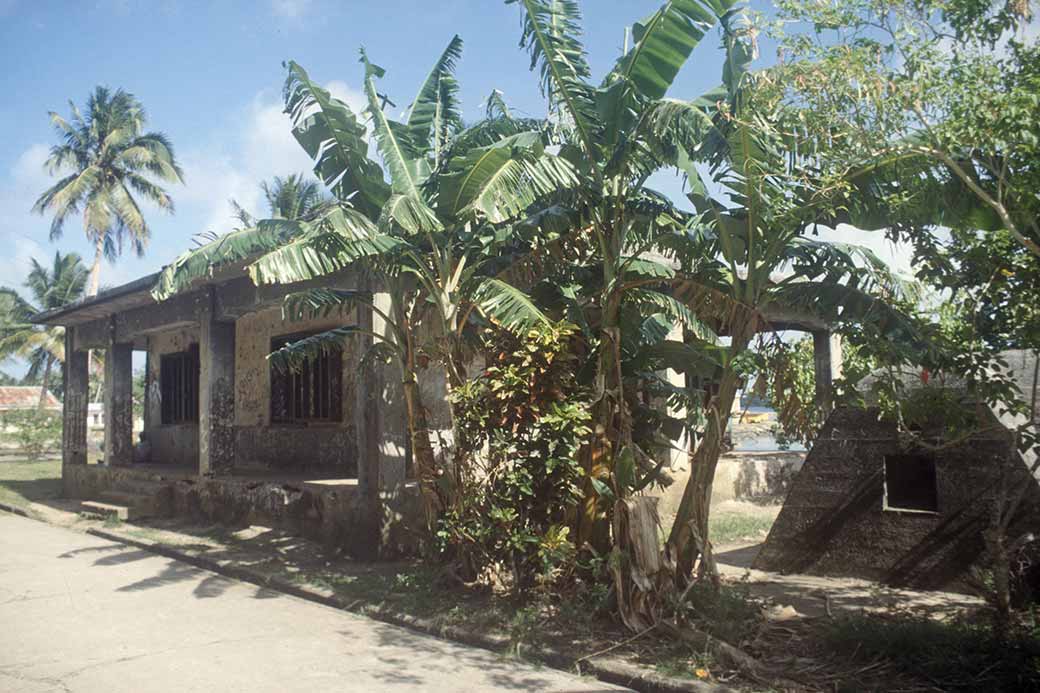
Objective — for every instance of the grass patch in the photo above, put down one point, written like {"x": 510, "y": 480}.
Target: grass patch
{"x": 954, "y": 656}
{"x": 22, "y": 482}
{"x": 730, "y": 528}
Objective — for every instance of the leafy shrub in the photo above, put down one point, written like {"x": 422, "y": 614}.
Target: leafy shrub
{"x": 521, "y": 424}
{"x": 32, "y": 431}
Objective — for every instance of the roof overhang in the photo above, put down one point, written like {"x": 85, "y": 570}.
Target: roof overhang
{"x": 107, "y": 303}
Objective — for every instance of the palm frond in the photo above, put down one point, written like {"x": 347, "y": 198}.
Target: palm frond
{"x": 402, "y": 155}
{"x": 334, "y": 139}
{"x": 435, "y": 109}
{"x": 242, "y": 244}
{"x": 673, "y": 309}
{"x": 293, "y": 356}
{"x": 500, "y": 181}
{"x": 551, "y": 33}
{"x": 507, "y": 305}
{"x": 340, "y": 239}
{"x": 663, "y": 42}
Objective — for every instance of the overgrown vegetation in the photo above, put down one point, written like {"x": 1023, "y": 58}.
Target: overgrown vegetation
{"x": 538, "y": 243}
{"x": 523, "y": 421}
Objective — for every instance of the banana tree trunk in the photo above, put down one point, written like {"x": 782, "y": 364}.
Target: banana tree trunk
{"x": 689, "y": 537}
{"x": 592, "y": 527}
{"x": 456, "y": 378}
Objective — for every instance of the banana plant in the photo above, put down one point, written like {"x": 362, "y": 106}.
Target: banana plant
{"x": 430, "y": 223}
{"x": 764, "y": 259}
{"x": 617, "y": 133}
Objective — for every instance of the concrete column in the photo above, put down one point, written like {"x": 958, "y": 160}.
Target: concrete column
{"x": 147, "y": 403}
{"x": 368, "y": 419}
{"x": 76, "y": 384}
{"x": 679, "y": 453}
{"x": 826, "y": 367}
{"x": 216, "y": 393}
{"x": 368, "y": 424}
{"x": 119, "y": 404}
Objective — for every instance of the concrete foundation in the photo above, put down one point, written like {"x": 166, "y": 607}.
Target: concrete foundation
{"x": 325, "y": 510}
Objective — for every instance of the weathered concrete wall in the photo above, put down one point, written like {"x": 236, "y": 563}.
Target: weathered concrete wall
{"x": 755, "y": 476}
{"x": 834, "y": 521}
{"x": 751, "y": 476}
{"x": 261, "y": 444}
{"x": 176, "y": 444}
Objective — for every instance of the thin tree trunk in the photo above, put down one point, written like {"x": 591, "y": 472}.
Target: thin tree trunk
{"x": 689, "y": 536}
{"x": 45, "y": 382}
{"x": 94, "y": 280}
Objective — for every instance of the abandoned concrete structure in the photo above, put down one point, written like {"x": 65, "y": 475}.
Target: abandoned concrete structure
{"x": 225, "y": 434}
{"x": 864, "y": 505}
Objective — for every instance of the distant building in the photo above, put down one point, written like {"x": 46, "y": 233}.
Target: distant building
{"x": 26, "y": 397}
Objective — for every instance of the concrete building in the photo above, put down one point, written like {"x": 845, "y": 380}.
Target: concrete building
{"x": 229, "y": 438}
{"x": 225, "y": 435}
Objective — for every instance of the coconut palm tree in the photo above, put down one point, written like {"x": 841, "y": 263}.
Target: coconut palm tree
{"x": 42, "y": 346}
{"x": 293, "y": 197}
{"x": 108, "y": 162}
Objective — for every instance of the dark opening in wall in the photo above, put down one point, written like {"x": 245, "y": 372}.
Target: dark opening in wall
{"x": 910, "y": 483}
{"x": 179, "y": 386}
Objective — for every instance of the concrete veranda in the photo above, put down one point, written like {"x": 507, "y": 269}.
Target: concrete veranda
{"x": 78, "y": 613}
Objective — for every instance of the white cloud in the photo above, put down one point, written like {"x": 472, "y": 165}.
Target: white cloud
{"x": 264, "y": 148}
{"x": 293, "y": 9}
{"x": 23, "y": 233}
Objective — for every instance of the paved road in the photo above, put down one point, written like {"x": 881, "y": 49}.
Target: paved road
{"x": 78, "y": 613}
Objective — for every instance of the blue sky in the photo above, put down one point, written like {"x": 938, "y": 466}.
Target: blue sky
{"x": 210, "y": 76}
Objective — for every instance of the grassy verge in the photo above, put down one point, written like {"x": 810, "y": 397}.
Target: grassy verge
{"x": 23, "y": 482}
{"x": 731, "y": 528}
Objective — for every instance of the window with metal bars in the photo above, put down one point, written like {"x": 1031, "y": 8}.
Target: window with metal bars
{"x": 179, "y": 386}
{"x": 314, "y": 393}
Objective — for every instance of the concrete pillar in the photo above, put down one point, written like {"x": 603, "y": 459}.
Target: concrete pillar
{"x": 146, "y": 405}
{"x": 119, "y": 404}
{"x": 826, "y": 367}
{"x": 216, "y": 393}
{"x": 679, "y": 452}
{"x": 368, "y": 423}
{"x": 76, "y": 383}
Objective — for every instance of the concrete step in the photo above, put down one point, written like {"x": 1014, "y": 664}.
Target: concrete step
{"x": 143, "y": 504}
{"x": 108, "y": 510}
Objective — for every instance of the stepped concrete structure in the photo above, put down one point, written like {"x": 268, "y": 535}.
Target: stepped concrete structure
{"x": 867, "y": 504}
